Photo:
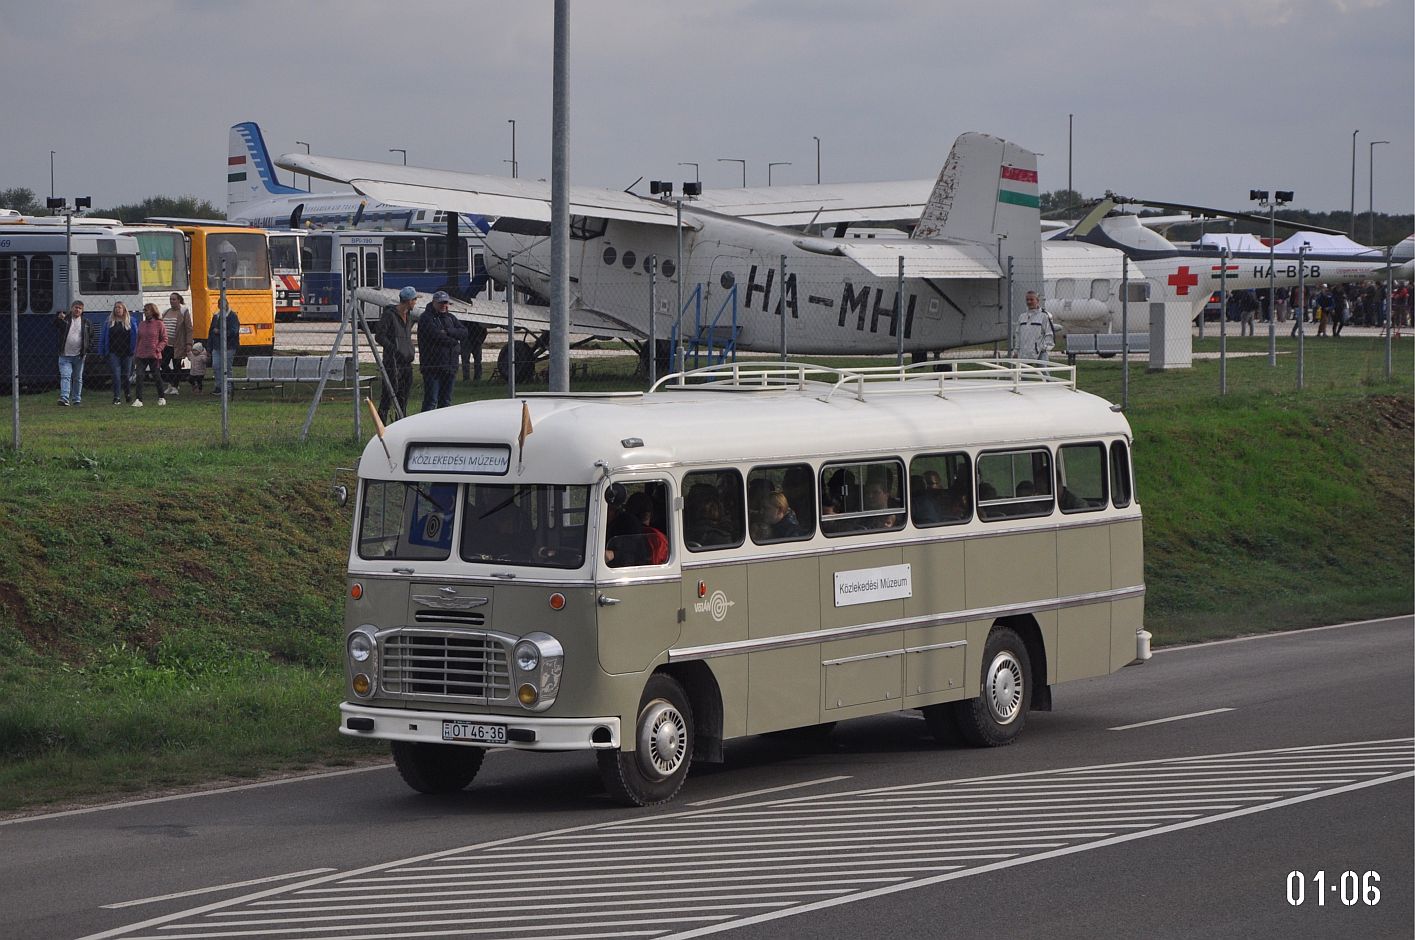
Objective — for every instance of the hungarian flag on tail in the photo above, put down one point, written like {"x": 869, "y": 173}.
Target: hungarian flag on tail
{"x": 1018, "y": 187}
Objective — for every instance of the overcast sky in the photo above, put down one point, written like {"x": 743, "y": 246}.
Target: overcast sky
{"x": 1186, "y": 100}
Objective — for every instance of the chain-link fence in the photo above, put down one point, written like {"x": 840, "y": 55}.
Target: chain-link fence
{"x": 636, "y": 320}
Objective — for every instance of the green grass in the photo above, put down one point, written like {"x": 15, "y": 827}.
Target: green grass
{"x": 170, "y": 608}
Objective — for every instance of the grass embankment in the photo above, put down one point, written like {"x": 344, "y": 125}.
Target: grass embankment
{"x": 170, "y": 610}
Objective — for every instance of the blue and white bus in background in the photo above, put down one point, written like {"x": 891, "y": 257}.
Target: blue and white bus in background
{"x": 34, "y": 271}
{"x": 385, "y": 259}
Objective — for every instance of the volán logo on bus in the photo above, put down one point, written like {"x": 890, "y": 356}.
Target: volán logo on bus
{"x": 493, "y": 460}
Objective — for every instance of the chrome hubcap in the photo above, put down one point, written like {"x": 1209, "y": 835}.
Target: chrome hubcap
{"x": 663, "y": 740}
{"x": 1004, "y": 687}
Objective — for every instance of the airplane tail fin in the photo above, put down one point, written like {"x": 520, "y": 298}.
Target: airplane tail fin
{"x": 986, "y": 189}
{"x": 250, "y": 174}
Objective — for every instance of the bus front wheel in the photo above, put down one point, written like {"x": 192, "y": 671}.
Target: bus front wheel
{"x": 995, "y": 718}
{"x": 663, "y": 748}
{"x": 437, "y": 768}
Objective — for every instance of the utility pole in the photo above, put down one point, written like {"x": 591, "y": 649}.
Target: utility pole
{"x": 768, "y": 170}
{"x": 51, "y": 174}
{"x": 735, "y": 160}
{"x": 560, "y": 205}
{"x": 696, "y": 177}
{"x": 402, "y": 151}
{"x": 308, "y": 184}
{"x": 1353, "y": 181}
{"x": 818, "y": 158}
{"x": 515, "y": 167}
{"x": 1371, "y": 180}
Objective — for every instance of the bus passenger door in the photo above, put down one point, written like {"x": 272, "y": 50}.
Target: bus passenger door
{"x": 363, "y": 267}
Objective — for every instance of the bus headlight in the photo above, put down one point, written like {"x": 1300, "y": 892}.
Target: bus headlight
{"x": 538, "y": 659}
{"x": 362, "y": 649}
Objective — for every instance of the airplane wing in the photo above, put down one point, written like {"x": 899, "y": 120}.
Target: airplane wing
{"x": 421, "y": 188}
{"x": 529, "y": 316}
{"x": 824, "y": 204}
{"x": 929, "y": 259}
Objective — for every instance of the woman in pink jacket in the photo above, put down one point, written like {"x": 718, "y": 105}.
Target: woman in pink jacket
{"x": 152, "y": 339}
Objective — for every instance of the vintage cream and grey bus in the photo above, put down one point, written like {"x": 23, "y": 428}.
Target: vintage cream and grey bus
{"x": 743, "y": 549}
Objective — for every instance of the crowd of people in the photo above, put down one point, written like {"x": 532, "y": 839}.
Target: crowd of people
{"x": 1330, "y": 307}
{"x": 146, "y": 348}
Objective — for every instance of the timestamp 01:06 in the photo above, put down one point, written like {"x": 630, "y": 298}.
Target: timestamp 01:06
{"x": 1348, "y": 886}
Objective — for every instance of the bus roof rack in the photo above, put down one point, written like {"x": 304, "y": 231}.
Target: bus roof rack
{"x": 937, "y": 377}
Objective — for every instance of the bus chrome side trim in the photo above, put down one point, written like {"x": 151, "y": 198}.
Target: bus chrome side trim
{"x": 888, "y": 653}
{"x": 712, "y": 650}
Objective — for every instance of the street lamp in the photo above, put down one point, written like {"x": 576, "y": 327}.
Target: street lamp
{"x": 818, "y": 158}
{"x": 51, "y": 174}
{"x": 696, "y": 178}
{"x": 735, "y": 160}
{"x": 1371, "y": 179}
{"x": 768, "y": 169}
{"x": 515, "y": 167}
{"x": 61, "y": 204}
{"x": 1279, "y": 197}
{"x": 308, "y": 183}
{"x": 402, "y": 151}
{"x": 1353, "y": 181}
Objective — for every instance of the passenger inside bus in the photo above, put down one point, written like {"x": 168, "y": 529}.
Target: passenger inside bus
{"x": 631, "y": 537}
{"x": 706, "y": 525}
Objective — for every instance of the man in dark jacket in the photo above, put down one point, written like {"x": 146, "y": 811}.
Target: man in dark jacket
{"x": 395, "y": 334}
{"x": 72, "y": 332}
{"x": 439, "y": 346}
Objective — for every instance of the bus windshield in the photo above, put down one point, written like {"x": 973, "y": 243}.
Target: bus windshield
{"x": 247, "y": 261}
{"x": 163, "y": 265}
{"x": 285, "y": 252}
{"x": 538, "y": 525}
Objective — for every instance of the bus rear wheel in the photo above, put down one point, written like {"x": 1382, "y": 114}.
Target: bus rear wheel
{"x": 663, "y": 748}
{"x": 996, "y": 717}
{"x": 437, "y": 768}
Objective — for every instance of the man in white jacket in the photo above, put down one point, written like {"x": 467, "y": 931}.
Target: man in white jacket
{"x": 1036, "y": 334}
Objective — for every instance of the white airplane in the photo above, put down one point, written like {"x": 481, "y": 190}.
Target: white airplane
{"x": 840, "y": 295}
{"x": 256, "y": 197}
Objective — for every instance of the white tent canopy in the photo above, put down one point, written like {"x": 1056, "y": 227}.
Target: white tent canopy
{"x": 1318, "y": 244}
{"x": 1235, "y": 241}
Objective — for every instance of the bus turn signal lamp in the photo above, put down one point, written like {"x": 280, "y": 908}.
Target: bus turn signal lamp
{"x": 527, "y": 695}
{"x": 702, "y": 589}
{"x": 356, "y": 591}
{"x": 362, "y": 685}
{"x": 557, "y": 601}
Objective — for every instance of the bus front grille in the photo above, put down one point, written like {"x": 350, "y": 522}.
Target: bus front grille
{"x": 468, "y": 666}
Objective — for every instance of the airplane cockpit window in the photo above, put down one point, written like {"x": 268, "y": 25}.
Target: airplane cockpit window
{"x": 522, "y": 227}
{"x": 584, "y": 227}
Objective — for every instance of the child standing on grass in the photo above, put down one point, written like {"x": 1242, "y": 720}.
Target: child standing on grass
{"x": 198, "y": 360}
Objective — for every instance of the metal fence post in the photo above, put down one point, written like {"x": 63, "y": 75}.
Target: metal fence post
{"x": 1389, "y": 305}
{"x": 1012, "y": 351}
{"x": 355, "y": 311}
{"x": 15, "y": 352}
{"x": 653, "y": 319}
{"x": 899, "y": 313}
{"x": 1124, "y": 333}
{"x": 511, "y": 325}
{"x": 679, "y": 273}
{"x": 222, "y": 311}
{"x": 1302, "y": 315}
{"x": 1222, "y": 322}
{"x": 783, "y": 312}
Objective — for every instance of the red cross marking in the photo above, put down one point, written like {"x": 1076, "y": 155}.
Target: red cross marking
{"x": 1182, "y": 280}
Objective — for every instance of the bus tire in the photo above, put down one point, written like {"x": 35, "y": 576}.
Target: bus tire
{"x": 996, "y": 717}
{"x": 663, "y": 748}
{"x": 437, "y": 768}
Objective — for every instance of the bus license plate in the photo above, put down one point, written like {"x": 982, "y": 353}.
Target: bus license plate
{"x": 473, "y": 732}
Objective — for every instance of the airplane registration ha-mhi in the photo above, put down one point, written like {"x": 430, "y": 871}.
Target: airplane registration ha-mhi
{"x": 839, "y": 295}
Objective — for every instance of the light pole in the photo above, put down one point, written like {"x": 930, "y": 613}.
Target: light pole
{"x": 308, "y": 184}
{"x": 696, "y": 177}
{"x": 1279, "y": 197}
{"x": 818, "y": 158}
{"x": 1371, "y": 196}
{"x": 51, "y": 174}
{"x": 735, "y": 160}
{"x": 402, "y": 151}
{"x": 515, "y": 167}
{"x": 768, "y": 169}
{"x": 1353, "y": 181}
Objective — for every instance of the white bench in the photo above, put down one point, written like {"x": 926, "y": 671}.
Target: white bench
{"x": 1104, "y": 345}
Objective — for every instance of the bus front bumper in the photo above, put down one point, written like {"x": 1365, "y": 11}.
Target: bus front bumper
{"x": 528, "y": 733}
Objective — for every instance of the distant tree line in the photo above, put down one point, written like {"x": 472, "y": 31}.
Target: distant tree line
{"x": 1389, "y": 229}
{"x": 25, "y": 201}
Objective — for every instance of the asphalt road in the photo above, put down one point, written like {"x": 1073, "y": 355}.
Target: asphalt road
{"x": 1286, "y": 753}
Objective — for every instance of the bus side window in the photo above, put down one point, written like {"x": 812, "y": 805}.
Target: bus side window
{"x": 1120, "y": 475}
{"x": 865, "y": 496}
{"x": 712, "y": 510}
{"x": 1014, "y": 483}
{"x": 1080, "y": 470}
{"x": 781, "y": 503}
{"x": 636, "y": 531}
{"x": 940, "y": 489}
